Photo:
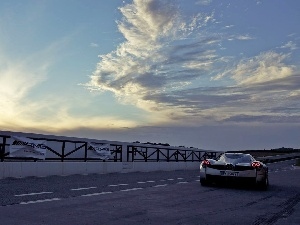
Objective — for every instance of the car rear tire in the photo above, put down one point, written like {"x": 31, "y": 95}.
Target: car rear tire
{"x": 204, "y": 182}
{"x": 264, "y": 184}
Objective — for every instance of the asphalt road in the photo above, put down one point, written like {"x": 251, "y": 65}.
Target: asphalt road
{"x": 149, "y": 198}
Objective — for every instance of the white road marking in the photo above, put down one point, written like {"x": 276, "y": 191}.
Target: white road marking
{"x": 100, "y": 193}
{"x": 94, "y": 194}
{"x": 144, "y": 182}
{"x": 40, "y": 201}
{"x": 116, "y": 185}
{"x": 160, "y": 185}
{"x": 197, "y": 180}
{"x": 28, "y": 194}
{"x": 185, "y": 182}
{"x": 132, "y": 189}
{"x": 79, "y": 189}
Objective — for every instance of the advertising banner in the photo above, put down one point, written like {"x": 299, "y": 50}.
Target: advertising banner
{"x": 26, "y": 147}
{"x": 100, "y": 151}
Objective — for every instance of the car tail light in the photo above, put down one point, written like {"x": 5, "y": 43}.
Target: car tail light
{"x": 256, "y": 164}
{"x": 205, "y": 163}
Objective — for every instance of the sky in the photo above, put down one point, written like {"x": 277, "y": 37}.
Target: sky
{"x": 218, "y": 75}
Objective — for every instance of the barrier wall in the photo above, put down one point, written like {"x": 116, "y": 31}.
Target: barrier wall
{"x": 41, "y": 169}
{"x": 68, "y": 156}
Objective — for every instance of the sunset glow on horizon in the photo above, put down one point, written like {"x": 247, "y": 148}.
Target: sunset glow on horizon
{"x": 203, "y": 73}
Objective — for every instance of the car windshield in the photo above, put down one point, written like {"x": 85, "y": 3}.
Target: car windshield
{"x": 235, "y": 158}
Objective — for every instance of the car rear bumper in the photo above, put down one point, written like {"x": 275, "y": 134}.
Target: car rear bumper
{"x": 228, "y": 179}
{"x": 239, "y": 174}
{"x": 245, "y": 176}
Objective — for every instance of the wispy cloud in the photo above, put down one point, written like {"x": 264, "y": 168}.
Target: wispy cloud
{"x": 240, "y": 37}
{"x": 162, "y": 52}
{"x": 267, "y": 66}
{"x": 16, "y": 81}
{"x": 170, "y": 66}
{"x": 229, "y": 26}
{"x": 204, "y": 2}
{"x": 94, "y": 45}
{"x": 25, "y": 108}
{"x": 244, "y": 37}
{"x": 290, "y": 45}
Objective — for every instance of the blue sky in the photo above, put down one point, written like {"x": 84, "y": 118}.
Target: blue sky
{"x": 210, "y": 74}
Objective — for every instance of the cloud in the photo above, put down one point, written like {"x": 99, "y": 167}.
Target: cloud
{"x": 94, "y": 45}
{"x": 160, "y": 53}
{"x": 229, "y": 26}
{"x": 16, "y": 81}
{"x": 240, "y": 37}
{"x": 272, "y": 101}
{"x": 204, "y": 2}
{"x": 265, "y": 67}
{"x": 170, "y": 66}
{"x": 290, "y": 45}
{"x": 244, "y": 37}
{"x": 264, "y": 119}
{"x": 28, "y": 102}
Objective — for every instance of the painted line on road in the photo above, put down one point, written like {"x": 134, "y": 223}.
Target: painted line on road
{"x": 180, "y": 178}
{"x": 40, "y": 201}
{"x": 117, "y": 185}
{"x": 184, "y": 182}
{"x": 132, "y": 189}
{"x": 95, "y": 194}
{"x": 144, "y": 182}
{"x": 160, "y": 185}
{"x": 29, "y": 194}
{"x": 80, "y": 189}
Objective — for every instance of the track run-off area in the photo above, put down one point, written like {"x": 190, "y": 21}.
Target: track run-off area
{"x": 164, "y": 197}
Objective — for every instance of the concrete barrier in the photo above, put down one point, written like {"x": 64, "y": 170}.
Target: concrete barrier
{"x": 41, "y": 169}
{"x": 13, "y": 169}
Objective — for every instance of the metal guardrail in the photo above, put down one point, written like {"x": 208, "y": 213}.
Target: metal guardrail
{"x": 166, "y": 154}
{"x": 60, "y": 150}
{"x": 70, "y": 150}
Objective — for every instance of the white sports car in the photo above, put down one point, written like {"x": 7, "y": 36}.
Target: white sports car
{"x": 234, "y": 167}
